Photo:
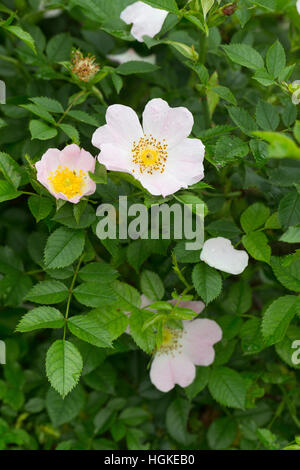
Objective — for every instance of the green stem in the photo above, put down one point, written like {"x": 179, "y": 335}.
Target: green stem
{"x": 82, "y": 93}
{"x": 71, "y": 293}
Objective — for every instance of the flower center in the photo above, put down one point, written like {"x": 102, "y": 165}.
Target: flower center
{"x": 171, "y": 341}
{"x": 66, "y": 181}
{"x": 149, "y": 154}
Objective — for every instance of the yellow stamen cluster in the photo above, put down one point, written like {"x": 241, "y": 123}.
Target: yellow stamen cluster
{"x": 149, "y": 154}
{"x": 171, "y": 341}
{"x": 66, "y": 181}
{"x": 84, "y": 67}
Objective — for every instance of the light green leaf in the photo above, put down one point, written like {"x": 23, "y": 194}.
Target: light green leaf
{"x": 207, "y": 282}
{"x": 41, "y": 317}
{"x": 277, "y": 318}
{"x": 63, "y": 366}
{"x": 63, "y": 247}
{"x": 88, "y": 328}
{"x": 48, "y": 292}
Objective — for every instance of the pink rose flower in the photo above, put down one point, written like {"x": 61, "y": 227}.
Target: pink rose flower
{"x": 160, "y": 155}
{"x": 65, "y": 173}
{"x": 174, "y": 363}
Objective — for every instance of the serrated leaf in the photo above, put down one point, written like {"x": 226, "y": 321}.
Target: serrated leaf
{"x": 207, "y": 282}
{"x": 51, "y": 105}
{"x": 48, "y": 292}
{"x": 227, "y": 387}
{"x": 63, "y": 366}
{"x": 41, "y": 317}
{"x": 63, "y": 247}
{"x": 94, "y": 294}
{"x": 10, "y": 169}
{"x": 256, "y": 243}
{"x": 7, "y": 191}
{"x": 135, "y": 66}
{"x": 275, "y": 60}
{"x": 245, "y": 55}
{"x": 254, "y": 217}
{"x": 277, "y": 318}
{"x": 151, "y": 285}
{"x": 40, "y": 207}
{"x": 41, "y": 131}
{"x": 88, "y": 328}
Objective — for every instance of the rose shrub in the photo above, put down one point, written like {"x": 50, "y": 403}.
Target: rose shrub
{"x": 132, "y": 342}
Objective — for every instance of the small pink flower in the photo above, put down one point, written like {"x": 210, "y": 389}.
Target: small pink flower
{"x": 65, "y": 173}
{"x": 181, "y": 350}
{"x": 160, "y": 155}
{"x": 146, "y": 20}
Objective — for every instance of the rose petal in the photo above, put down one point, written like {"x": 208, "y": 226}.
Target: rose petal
{"x": 122, "y": 128}
{"x": 166, "y": 371}
{"x": 185, "y": 161}
{"x": 146, "y": 20}
{"x": 199, "y": 337}
{"x": 164, "y": 122}
{"x": 131, "y": 55}
{"x": 220, "y": 254}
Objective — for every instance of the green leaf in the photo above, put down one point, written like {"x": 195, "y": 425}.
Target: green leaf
{"x": 239, "y": 299}
{"x": 61, "y": 410}
{"x": 136, "y": 66}
{"x": 48, "y": 292}
{"x": 71, "y": 132}
{"x": 133, "y": 416}
{"x": 151, "y": 285}
{"x": 63, "y": 247}
{"x": 207, "y": 282}
{"x": 63, "y": 366}
{"x": 289, "y": 275}
{"x": 93, "y": 294}
{"x": 254, "y": 217}
{"x": 59, "y": 47}
{"x": 41, "y": 131}
{"x": 275, "y": 60}
{"x": 292, "y": 235}
{"x": 23, "y": 35}
{"x": 88, "y": 328}
{"x": 267, "y": 116}
{"x": 82, "y": 116}
{"x": 7, "y": 191}
{"x": 256, "y": 243}
{"x": 227, "y": 387}
{"x": 40, "y": 207}
{"x": 98, "y": 272}
{"x": 229, "y": 149}
{"x": 277, "y": 318}
{"x": 224, "y": 93}
{"x": 200, "y": 382}
{"x": 112, "y": 320}
{"x": 144, "y": 339}
{"x": 169, "y": 5}
{"x": 50, "y": 105}
{"x": 242, "y": 119}
{"x": 41, "y": 317}
{"x": 280, "y": 146}
{"x": 289, "y": 209}
{"x": 245, "y": 55}
{"x": 222, "y": 432}
{"x": 176, "y": 420}
{"x": 10, "y": 170}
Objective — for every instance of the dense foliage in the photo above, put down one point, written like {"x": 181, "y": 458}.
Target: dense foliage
{"x": 73, "y": 378}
